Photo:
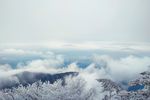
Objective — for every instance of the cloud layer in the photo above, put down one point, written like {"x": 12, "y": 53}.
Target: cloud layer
{"x": 94, "y": 65}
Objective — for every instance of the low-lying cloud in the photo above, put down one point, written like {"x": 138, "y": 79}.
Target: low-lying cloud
{"x": 100, "y": 66}
{"x": 90, "y": 64}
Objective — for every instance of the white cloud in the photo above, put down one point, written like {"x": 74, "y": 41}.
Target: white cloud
{"x": 130, "y": 47}
{"x": 101, "y": 66}
{"x": 13, "y": 51}
{"x": 124, "y": 68}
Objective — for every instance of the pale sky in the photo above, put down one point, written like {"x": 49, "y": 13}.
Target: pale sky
{"x": 35, "y": 21}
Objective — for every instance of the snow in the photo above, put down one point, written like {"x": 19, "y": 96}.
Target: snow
{"x": 75, "y": 88}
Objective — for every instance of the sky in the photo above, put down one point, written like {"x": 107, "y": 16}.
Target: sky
{"x": 36, "y": 21}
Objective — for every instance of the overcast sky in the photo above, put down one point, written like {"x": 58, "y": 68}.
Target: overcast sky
{"x": 35, "y": 21}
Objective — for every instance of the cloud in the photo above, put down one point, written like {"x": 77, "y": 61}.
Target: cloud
{"x": 101, "y": 67}
{"x": 124, "y": 68}
{"x": 129, "y": 47}
{"x": 96, "y": 66}
{"x": 18, "y": 52}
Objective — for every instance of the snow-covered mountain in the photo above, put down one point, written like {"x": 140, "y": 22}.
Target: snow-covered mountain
{"x": 70, "y": 86}
{"x": 138, "y": 89}
{"x": 25, "y": 78}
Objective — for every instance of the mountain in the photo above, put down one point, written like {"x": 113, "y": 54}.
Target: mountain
{"x": 45, "y": 86}
{"x": 25, "y": 78}
{"x": 138, "y": 89}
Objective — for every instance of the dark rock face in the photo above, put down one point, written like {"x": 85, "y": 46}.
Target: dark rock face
{"x": 26, "y": 78}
